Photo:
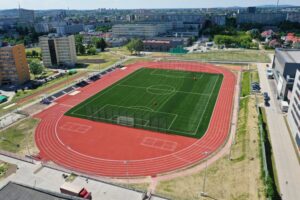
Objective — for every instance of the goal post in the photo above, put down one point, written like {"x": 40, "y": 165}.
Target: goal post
{"x": 125, "y": 121}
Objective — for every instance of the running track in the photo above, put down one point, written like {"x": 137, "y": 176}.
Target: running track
{"x": 103, "y": 149}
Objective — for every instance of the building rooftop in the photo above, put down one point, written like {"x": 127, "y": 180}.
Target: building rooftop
{"x": 14, "y": 191}
{"x": 289, "y": 55}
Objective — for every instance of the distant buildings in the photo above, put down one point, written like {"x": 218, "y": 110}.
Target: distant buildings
{"x": 293, "y": 17}
{"x": 261, "y": 18}
{"x": 142, "y": 30}
{"x": 163, "y": 44}
{"x": 13, "y": 65}
{"x": 251, "y": 10}
{"x": 58, "y": 51}
{"x": 294, "y": 111}
{"x": 41, "y": 27}
{"x": 69, "y": 29}
{"x": 285, "y": 65}
{"x": 219, "y": 20}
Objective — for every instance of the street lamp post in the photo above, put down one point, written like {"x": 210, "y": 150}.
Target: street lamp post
{"x": 203, "y": 194}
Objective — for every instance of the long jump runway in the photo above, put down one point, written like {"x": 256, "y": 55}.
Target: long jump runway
{"x": 104, "y": 149}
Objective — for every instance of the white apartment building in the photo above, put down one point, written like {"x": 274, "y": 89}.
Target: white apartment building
{"x": 58, "y": 51}
{"x": 142, "y": 30}
{"x": 294, "y": 111}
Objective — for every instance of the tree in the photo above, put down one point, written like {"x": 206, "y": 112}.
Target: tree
{"x": 36, "y": 67}
{"x": 92, "y": 51}
{"x": 101, "y": 44}
{"x": 80, "y": 49}
{"x": 135, "y": 45}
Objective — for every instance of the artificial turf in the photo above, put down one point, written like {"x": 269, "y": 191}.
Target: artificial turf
{"x": 170, "y": 101}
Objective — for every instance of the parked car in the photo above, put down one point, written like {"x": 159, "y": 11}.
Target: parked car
{"x": 266, "y": 96}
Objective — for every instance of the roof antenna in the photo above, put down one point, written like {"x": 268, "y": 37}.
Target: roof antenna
{"x": 277, "y": 5}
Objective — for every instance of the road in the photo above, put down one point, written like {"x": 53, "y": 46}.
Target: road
{"x": 287, "y": 165}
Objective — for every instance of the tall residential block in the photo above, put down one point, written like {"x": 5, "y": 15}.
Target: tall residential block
{"x": 58, "y": 50}
{"x": 13, "y": 65}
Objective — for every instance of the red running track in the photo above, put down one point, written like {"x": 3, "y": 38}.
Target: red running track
{"x": 115, "y": 151}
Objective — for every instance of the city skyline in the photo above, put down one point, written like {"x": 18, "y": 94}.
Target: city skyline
{"x": 135, "y": 4}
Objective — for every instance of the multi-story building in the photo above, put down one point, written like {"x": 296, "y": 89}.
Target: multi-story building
{"x": 163, "y": 44}
{"x": 286, "y": 63}
{"x": 261, "y": 18}
{"x": 58, "y": 50}
{"x": 142, "y": 30}
{"x": 13, "y": 65}
{"x": 294, "y": 111}
{"x": 219, "y": 20}
{"x": 69, "y": 29}
{"x": 41, "y": 27}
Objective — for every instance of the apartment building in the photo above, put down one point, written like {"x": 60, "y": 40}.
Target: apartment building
{"x": 142, "y": 30}
{"x": 13, "y": 65}
{"x": 261, "y": 18}
{"x": 294, "y": 111}
{"x": 293, "y": 17}
{"x": 58, "y": 50}
{"x": 286, "y": 63}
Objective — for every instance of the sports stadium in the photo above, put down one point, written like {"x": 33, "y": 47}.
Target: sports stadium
{"x": 144, "y": 119}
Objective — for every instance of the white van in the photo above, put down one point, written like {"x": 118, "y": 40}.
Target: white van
{"x": 284, "y": 106}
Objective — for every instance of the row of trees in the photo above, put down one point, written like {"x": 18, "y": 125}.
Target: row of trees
{"x": 90, "y": 49}
{"x": 244, "y": 41}
{"x": 135, "y": 46}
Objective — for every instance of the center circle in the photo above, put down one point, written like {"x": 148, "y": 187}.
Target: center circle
{"x": 161, "y": 89}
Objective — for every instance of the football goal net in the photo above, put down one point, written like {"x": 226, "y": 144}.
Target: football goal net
{"x": 125, "y": 121}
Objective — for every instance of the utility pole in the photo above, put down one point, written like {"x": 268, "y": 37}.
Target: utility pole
{"x": 203, "y": 194}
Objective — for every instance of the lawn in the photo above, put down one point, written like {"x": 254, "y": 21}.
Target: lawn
{"x": 19, "y": 138}
{"x": 230, "y": 56}
{"x": 246, "y": 84}
{"x": 99, "y": 61}
{"x": 171, "y": 101}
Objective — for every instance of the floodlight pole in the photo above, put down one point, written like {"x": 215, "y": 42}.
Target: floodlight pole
{"x": 203, "y": 194}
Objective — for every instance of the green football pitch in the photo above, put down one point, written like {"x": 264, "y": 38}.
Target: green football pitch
{"x": 170, "y": 101}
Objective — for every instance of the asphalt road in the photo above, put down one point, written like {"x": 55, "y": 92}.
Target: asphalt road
{"x": 287, "y": 165}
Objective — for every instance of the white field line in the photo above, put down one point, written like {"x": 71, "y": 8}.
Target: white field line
{"x": 206, "y": 105}
{"x": 175, "y": 91}
{"x": 109, "y": 88}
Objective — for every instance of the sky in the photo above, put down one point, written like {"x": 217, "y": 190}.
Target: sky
{"x": 93, "y": 4}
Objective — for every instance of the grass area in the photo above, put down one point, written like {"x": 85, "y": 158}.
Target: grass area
{"x": 120, "y": 50}
{"x": 225, "y": 179}
{"x": 232, "y": 56}
{"x": 37, "y": 49}
{"x": 255, "y": 76}
{"x": 3, "y": 169}
{"x": 272, "y": 183}
{"x": 19, "y": 137}
{"x": 246, "y": 83}
{"x": 148, "y": 99}
{"x": 99, "y": 61}
{"x": 241, "y": 134}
